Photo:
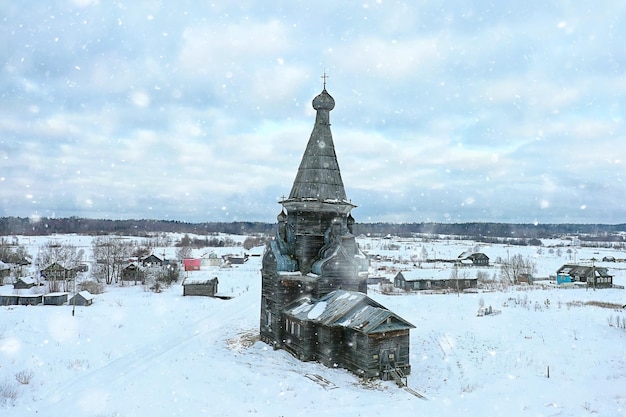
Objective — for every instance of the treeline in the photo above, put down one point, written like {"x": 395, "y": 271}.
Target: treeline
{"x": 488, "y": 231}
{"x": 144, "y": 227}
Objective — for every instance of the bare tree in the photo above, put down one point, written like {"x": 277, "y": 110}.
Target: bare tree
{"x": 511, "y": 269}
{"x": 110, "y": 254}
{"x": 183, "y": 252}
{"x": 66, "y": 255}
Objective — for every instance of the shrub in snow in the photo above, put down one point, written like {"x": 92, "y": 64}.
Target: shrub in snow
{"x": 94, "y": 287}
{"x": 8, "y": 392}
{"x": 24, "y": 377}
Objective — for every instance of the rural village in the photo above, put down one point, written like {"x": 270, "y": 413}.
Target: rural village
{"x": 390, "y": 319}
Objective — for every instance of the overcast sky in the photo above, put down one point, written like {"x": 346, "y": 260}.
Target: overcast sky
{"x": 446, "y": 111}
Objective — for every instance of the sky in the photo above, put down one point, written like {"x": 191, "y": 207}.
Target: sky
{"x": 446, "y": 111}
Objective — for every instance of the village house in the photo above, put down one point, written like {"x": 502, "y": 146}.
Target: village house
{"x": 133, "y": 272}
{"x": 593, "y": 276}
{"x": 212, "y": 260}
{"x": 478, "y": 259}
{"x": 236, "y": 259}
{"x": 525, "y": 278}
{"x": 314, "y": 301}
{"x": 57, "y": 272}
{"x": 429, "y": 279}
{"x": 151, "y": 260}
{"x": 192, "y": 264}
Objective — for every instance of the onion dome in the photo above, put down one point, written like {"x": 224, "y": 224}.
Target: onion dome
{"x": 324, "y": 101}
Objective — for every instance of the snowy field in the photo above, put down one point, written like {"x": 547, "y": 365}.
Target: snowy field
{"x": 139, "y": 353}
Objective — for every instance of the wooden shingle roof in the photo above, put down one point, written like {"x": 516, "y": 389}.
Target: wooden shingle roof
{"x": 348, "y": 309}
{"x": 318, "y": 176}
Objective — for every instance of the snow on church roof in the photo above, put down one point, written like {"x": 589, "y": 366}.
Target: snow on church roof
{"x": 349, "y": 309}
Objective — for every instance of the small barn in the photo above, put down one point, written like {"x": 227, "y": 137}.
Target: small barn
{"x": 429, "y": 279}
{"x": 201, "y": 286}
{"x": 82, "y": 298}
{"x": 22, "y": 283}
{"x": 55, "y": 299}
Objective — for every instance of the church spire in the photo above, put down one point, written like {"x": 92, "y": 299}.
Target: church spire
{"x": 318, "y": 176}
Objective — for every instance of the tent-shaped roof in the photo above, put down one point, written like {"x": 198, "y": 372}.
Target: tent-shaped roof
{"x": 318, "y": 176}
{"x": 349, "y": 309}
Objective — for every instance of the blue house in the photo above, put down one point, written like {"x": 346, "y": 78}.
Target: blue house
{"x": 593, "y": 276}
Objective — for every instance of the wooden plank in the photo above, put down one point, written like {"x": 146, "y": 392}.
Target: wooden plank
{"x": 318, "y": 379}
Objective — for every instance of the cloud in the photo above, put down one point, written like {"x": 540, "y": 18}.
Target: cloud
{"x": 446, "y": 111}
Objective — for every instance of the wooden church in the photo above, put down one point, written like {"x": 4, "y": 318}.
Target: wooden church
{"x": 314, "y": 301}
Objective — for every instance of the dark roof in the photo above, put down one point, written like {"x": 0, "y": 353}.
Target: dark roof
{"x": 583, "y": 271}
{"x": 318, "y": 176}
{"x": 349, "y": 309}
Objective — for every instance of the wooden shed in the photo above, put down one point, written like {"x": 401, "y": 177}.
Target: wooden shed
{"x": 82, "y": 298}
{"x": 29, "y": 299}
{"x": 55, "y": 298}
{"x": 22, "y": 283}
{"x": 201, "y": 286}
{"x": 20, "y": 299}
{"x": 9, "y": 299}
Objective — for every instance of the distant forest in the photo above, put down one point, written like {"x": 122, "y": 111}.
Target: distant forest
{"x": 479, "y": 231}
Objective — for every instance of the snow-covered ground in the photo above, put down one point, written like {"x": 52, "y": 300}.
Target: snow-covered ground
{"x": 139, "y": 353}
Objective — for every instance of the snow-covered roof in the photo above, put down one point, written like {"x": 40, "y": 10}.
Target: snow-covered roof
{"x": 200, "y": 280}
{"x": 426, "y": 274}
{"x": 349, "y": 309}
{"x": 86, "y": 295}
{"x": 28, "y": 280}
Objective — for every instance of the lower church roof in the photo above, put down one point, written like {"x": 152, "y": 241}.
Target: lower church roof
{"x": 348, "y": 309}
